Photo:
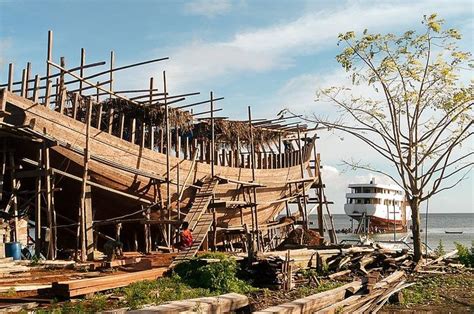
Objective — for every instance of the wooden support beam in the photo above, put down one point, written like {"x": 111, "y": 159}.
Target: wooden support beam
{"x": 213, "y": 144}
{"x": 49, "y": 209}
{"x": 92, "y": 84}
{"x": 27, "y": 78}
{"x": 84, "y": 188}
{"x": 15, "y": 187}
{"x": 168, "y": 145}
{"x": 38, "y": 237}
{"x": 62, "y": 88}
{"x": 3, "y": 169}
{"x": 23, "y": 83}
{"x": 36, "y": 89}
{"x": 49, "y": 58}
{"x": 11, "y": 69}
{"x": 252, "y": 163}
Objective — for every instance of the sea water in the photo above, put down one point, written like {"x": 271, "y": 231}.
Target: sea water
{"x": 437, "y": 225}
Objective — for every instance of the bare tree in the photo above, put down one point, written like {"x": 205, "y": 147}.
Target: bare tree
{"x": 420, "y": 114}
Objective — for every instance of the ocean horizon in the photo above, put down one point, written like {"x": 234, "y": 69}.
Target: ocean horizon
{"x": 438, "y": 224}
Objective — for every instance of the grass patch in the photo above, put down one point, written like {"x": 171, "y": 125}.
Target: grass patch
{"x": 95, "y": 304}
{"x": 430, "y": 290}
{"x": 160, "y": 291}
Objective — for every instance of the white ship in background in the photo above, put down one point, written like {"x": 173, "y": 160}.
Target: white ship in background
{"x": 377, "y": 207}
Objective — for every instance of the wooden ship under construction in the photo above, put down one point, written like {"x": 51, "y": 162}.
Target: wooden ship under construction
{"x": 84, "y": 163}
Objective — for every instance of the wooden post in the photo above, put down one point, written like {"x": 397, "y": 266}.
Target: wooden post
{"x": 320, "y": 198}
{"x": 132, "y": 131}
{"x": 252, "y": 164}
{"x": 11, "y": 68}
{"x": 161, "y": 139}
{"x": 3, "y": 168}
{"x": 81, "y": 71}
{"x": 168, "y": 145}
{"x": 23, "y": 83}
{"x": 178, "y": 150}
{"x": 53, "y": 210}
{"x": 75, "y": 104}
{"x": 186, "y": 148}
{"x": 110, "y": 124}
{"x": 49, "y": 57}
{"x": 14, "y": 193}
{"x": 142, "y": 141}
{"x": 214, "y": 230}
{"x": 27, "y": 78}
{"x": 84, "y": 184}
{"x": 38, "y": 238}
{"x": 152, "y": 130}
{"x": 62, "y": 88}
{"x": 237, "y": 154}
{"x": 48, "y": 92}
{"x": 146, "y": 232}
{"x": 111, "y": 75}
{"x": 99, "y": 108}
{"x": 36, "y": 89}
{"x": 300, "y": 153}
{"x": 49, "y": 212}
{"x": 121, "y": 124}
{"x": 212, "y": 135}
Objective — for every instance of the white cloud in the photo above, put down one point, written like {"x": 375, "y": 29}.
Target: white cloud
{"x": 208, "y": 8}
{"x": 277, "y": 46}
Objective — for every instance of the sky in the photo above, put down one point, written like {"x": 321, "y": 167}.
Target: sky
{"x": 267, "y": 54}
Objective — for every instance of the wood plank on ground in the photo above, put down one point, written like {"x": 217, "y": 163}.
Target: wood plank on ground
{"x": 72, "y": 288}
{"x": 314, "y": 302}
{"x": 225, "y": 303}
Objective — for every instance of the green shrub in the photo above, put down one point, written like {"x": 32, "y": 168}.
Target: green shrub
{"x": 219, "y": 277}
{"x": 439, "y": 251}
{"x": 466, "y": 256}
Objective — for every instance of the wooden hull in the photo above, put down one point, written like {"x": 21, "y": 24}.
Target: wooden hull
{"x": 70, "y": 135}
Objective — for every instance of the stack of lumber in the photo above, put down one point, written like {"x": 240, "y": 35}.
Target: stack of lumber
{"x": 225, "y": 303}
{"x": 447, "y": 263}
{"x": 273, "y": 271}
{"x": 354, "y": 297}
{"x": 79, "y": 287}
{"x": 10, "y": 267}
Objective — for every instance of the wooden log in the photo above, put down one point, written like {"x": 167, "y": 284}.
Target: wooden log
{"x": 439, "y": 259}
{"x": 339, "y": 274}
{"x": 226, "y": 303}
{"x": 79, "y": 287}
{"x": 314, "y": 302}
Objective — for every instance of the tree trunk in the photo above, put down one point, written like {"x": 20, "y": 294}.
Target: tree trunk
{"x": 415, "y": 217}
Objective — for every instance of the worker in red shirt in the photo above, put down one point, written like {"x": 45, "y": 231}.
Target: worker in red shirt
{"x": 186, "y": 237}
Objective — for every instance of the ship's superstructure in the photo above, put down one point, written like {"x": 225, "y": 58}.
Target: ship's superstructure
{"x": 377, "y": 207}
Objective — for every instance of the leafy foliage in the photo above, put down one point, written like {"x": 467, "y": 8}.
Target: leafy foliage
{"x": 439, "y": 251}
{"x": 466, "y": 256}
{"x": 411, "y": 103}
{"x": 219, "y": 277}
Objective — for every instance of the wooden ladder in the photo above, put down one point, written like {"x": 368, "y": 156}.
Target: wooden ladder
{"x": 199, "y": 221}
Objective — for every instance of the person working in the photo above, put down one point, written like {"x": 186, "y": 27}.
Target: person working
{"x": 186, "y": 237}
